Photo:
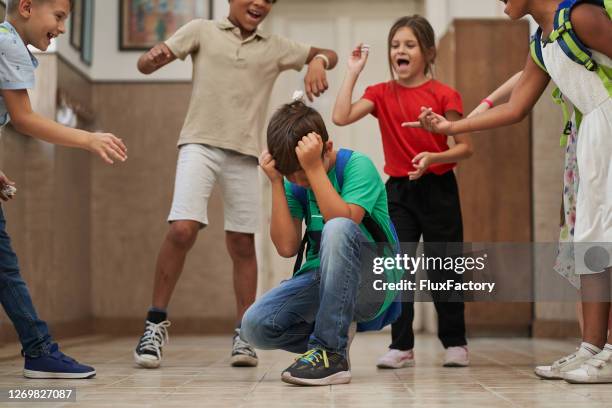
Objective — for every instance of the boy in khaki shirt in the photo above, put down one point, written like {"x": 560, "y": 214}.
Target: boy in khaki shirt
{"x": 235, "y": 66}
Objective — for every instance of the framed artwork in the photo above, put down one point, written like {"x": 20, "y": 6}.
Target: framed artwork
{"x": 76, "y": 24}
{"x": 87, "y": 30}
{"x": 144, "y": 23}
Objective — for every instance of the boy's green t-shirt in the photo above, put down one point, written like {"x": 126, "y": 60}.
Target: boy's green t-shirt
{"x": 362, "y": 186}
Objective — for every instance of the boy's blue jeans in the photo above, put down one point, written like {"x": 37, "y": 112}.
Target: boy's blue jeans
{"x": 15, "y": 298}
{"x": 316, "y": 308}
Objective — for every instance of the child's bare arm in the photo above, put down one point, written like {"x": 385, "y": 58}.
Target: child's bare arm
{"x": 157, "y": 57}
{"x": 462, "y": 150}
{"x": 285, "y": 231}
{"x": 594, "y": 27}
{"x": 28, "y": 122}
{"x": 500, "y": 94}
{"x": 315, "y": 81}
{"x": 526, "y": 93}
{"x": 345, "y": 111}
{"x": 329, "y": 201}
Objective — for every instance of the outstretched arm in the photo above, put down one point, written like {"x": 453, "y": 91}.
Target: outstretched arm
{"x": 345, "y": 111}
{"x": 462, "y": 150}
{"x": 500, "y": 94}
{"x": 319, "y": 60}
{"x": 528, "y": 90}
{"x": 28, "y": 122}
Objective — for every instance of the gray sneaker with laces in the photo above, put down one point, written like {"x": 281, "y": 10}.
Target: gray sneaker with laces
{"x": 243, "y": 354}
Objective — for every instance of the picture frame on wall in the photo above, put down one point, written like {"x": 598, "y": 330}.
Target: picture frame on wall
{"x": 87, "y": 31}
{"x": 144, "y": 23}
{"x": 76, "y": 24}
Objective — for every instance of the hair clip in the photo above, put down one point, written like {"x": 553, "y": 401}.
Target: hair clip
{"x": 299, "y": 96}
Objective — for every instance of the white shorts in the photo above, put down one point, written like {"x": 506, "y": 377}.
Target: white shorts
{"x": 198, "y": 168}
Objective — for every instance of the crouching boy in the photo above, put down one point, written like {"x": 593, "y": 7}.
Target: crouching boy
{"x": 342, "y": 200}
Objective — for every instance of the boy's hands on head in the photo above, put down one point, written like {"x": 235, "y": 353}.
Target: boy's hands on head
{"x": 268, "y": 165}
{"x": 107, "y": 146}
{"x": 358, "y": 59}
{"x": 4, "y": 183}
{"x": 309, "y": 151}
{"x": 432, "y": 122}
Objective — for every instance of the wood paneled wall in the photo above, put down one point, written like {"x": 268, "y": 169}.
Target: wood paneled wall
{"x": 476, "y": 56}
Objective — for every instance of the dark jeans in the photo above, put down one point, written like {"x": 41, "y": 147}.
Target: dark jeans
{"x": 428, "y": 207}
{"x": 15, "y": 298}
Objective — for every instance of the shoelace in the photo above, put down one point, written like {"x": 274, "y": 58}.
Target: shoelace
{"x": 155, "y": 336}
{"x": 242, "y": 346}
{"x": 314, "y": 356}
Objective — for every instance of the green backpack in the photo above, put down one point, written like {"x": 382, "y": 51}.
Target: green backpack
{"x": 571, "y": 45}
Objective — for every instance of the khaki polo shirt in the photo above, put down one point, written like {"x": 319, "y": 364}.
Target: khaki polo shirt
{"x": 232, "y": 82}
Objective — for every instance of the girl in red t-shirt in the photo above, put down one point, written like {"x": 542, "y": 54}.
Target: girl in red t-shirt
{"x": 422, "y": 189}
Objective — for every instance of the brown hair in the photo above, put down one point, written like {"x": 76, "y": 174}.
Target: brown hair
{"x": 287, "y": 127}
{"x": 425, "y": 35}
{"x": 11, "y": 5}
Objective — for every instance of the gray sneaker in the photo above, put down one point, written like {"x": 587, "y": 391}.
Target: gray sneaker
{"x": 243, "y": 355}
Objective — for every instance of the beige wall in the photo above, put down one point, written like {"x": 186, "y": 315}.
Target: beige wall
{"x": 130, "y": 204}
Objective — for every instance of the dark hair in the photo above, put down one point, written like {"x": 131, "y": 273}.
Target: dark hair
{"x": 11, "y": 5}
{"x": 287, "y": 127}
{"x": 425, "y": 35}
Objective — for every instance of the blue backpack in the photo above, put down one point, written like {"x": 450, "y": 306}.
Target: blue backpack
{"x": 564, "y": 34}
{"x": 390, "y": 312}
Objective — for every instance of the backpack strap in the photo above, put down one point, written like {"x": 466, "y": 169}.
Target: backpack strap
{"x": 342, "y": 159}
{"x": 535, "y": 47}
{"x": 564, "y": 34}
{"x": 571, "y": 45}
{"x": 301, "y": 195}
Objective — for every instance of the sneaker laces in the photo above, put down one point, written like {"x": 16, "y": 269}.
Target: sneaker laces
{"x": 242, "y": 347}
{"x": 155, "y": 336}
{"x": 314, "y": 356}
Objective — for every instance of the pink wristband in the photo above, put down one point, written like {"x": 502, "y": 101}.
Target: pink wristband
{"x": 488, "y": 102}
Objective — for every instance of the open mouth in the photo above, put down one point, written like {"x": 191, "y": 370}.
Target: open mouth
{"x": 402, "y": 62}
{"x": 50, "y": 36}
{"x": 255, "y": 15}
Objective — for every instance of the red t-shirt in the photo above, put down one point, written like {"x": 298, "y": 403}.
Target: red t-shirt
{"x": 400, "y": 144}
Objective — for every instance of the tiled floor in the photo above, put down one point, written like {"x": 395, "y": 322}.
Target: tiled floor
{"x": 196, "y": 373}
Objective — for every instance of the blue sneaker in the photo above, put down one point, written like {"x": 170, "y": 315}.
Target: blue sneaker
{"x": 56, "y": 365}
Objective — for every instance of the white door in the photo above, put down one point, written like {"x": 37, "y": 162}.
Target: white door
{"x": 337, "y": 25}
